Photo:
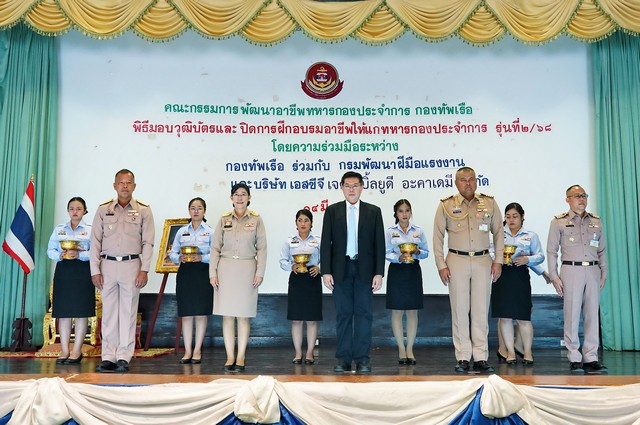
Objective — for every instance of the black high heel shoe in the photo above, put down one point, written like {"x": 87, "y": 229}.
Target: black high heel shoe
{"x": 77, "y": 360}
{"x": 501, "y": 358}
{"x": 519, "y": 353}
{"x": 185, "y": 360}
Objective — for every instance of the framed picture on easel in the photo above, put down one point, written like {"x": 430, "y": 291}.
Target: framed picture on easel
{"x": 171, "y": 227}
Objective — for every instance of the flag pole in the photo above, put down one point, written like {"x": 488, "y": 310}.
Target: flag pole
{"x": 21, "y": 335}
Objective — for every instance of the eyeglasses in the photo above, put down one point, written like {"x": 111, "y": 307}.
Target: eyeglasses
{"x": 351, "y": 186}
{"x": 194, "y": 209}
{"x": 579, "y": 196}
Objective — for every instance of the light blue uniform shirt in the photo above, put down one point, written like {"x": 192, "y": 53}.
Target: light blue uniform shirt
{"x": 528, "y": 244}
{"x": 394, "y": 236}
{"x": 63, "y": 232}
{"x": 188, "y": 236}
{"x": 296, "y": 245}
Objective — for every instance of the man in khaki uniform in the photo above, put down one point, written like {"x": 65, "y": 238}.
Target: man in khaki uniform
{"x": 120, "y": 257}
{"x": 468, "y": 270}
{"x": 580, "y": 237}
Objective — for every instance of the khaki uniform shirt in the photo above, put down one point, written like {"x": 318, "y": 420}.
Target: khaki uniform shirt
{"x": 240, "y": 238}
{"x": 118, "y": 231}
{"x": 580, "y": 239}
{"x": 467, "y": 224}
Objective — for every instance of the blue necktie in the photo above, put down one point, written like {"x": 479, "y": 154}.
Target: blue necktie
{"x": 352, "y": 243}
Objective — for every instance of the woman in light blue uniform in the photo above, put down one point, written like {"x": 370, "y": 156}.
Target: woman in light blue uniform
{"x": 74, "y": 295}
{"x": 194, "y": 293}
{"x": 404, "y": 278}
{"x": 511, "y": 293}
{"x": 305, "y": 288}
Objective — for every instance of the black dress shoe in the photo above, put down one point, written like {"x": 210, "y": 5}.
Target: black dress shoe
{"x": 122, "y": 366}
{"x": 309, "y": 361}
{"x": 482, "y": 366}
{"x": 511, "y": 362}
{"x": 576, "y": 367}
{"x": 501, "y": 358}
{"x": 296, "y": 361}
{"x": 403, "y": 361}
{"x": 74, "y": 361}
{"x": 185, "y": 361}
{"x": 462, "y": 366}
{"x": 239, "y": 368}
{"x": 230, "y": 367}
{"x": 106, "y": 366}
{"x": 62, "y": 360}
{"x": 342, "y": 367}
{"x": 526, "y": 362}
{"x": 411, "y": 361}
{"x": 595, "y": 366}
{"x": 196, "y": 361}
{"x": 363, "y": 367}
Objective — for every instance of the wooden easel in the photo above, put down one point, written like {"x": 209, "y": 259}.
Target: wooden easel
{"x": 154, "y": 316}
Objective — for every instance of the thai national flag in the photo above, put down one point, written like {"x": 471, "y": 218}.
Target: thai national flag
{"x": 20, "y": 240}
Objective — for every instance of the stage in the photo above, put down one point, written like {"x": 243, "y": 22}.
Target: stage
{"x": 434, "y": 363}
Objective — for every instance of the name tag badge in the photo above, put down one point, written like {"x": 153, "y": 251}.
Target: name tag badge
{"x": 594, "y": 243}
{"x": 484, "y": 227}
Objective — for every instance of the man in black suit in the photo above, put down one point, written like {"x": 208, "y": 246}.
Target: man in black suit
{"x": 352, "y": 265}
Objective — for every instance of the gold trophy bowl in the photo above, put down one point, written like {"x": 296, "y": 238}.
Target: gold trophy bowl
{"x": 302, "y": 259}
{"x": 408, "y": 248}
{"x": 69, "y": 245}
{"x": 188, "y": 253}
{"x": 509, "y": 250}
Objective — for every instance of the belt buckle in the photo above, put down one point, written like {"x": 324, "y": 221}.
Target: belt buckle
{"x": 471, "y": 253}
{"x": 585, "y": 263}
{"x": 118, "y": 258}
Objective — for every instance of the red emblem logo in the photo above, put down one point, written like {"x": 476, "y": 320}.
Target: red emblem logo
{"x": 322, "y": 81}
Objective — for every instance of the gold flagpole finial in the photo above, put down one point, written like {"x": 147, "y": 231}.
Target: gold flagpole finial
{"x": 33, "y": 177}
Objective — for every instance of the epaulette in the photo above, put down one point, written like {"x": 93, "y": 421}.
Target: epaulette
{"x": 107, "y": 202}
{"x": 227, "y": 214}
{"x": 144, "y": 204}
{"x": 593, "y": 215}
{"x": 254, "y": 213}
{"x": 486, "y": 196}
{"x": 447, "y": 198}
{"x": 563, "y": 215}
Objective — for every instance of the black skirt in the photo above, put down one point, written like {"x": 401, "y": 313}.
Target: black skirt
{"x": 194, "y": 293}
{"x": 404, "y": 286}
{"x": 304, "y": 300}
{"x": 511, "y": 294}
{"x": 73, "y": 292}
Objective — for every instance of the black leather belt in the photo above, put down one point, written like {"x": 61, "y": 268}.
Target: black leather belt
{"x": 125, "y": 258}
{"x": 354, "y": 258}
{"x": 470, "y": 254}
{"x": 580, "y": 263}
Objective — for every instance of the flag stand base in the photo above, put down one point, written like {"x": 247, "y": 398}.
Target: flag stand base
{"x": 21, "y": 336}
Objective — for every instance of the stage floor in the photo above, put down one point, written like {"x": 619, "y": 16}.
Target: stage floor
{"x": 434, "y": 363}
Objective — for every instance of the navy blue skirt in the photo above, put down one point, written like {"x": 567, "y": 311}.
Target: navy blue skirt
{"x": 304, "y": 300}
{"x": 73, "y": 292}
{"x": 404, "y": 286}
{"x": 511, "y": 294}
{"x": 194, "y": 293}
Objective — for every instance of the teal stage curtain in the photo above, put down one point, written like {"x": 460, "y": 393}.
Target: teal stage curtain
{"x": 28, "y": 137}
{"x": 616, "y": 80}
